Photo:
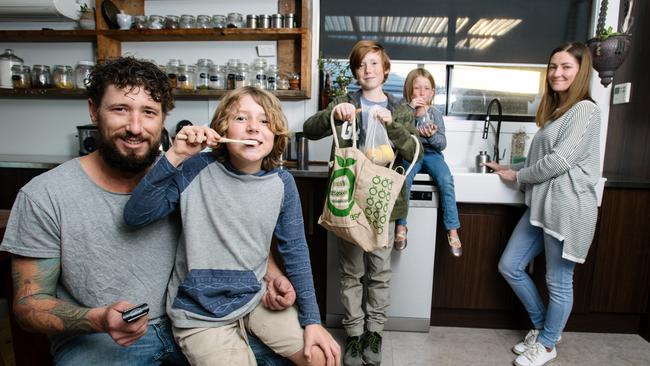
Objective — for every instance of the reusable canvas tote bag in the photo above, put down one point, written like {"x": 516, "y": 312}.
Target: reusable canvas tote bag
{"x": 361, "y": 195}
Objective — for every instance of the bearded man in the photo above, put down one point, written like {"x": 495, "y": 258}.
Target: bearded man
{"x": 76, "y": 266}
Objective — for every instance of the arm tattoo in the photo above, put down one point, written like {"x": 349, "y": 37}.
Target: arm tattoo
{"x": 36, "y": 306}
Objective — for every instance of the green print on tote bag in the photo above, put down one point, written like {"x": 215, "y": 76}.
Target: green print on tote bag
{"x": 361, "y": 195}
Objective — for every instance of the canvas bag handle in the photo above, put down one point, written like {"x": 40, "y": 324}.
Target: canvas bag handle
{"x": 354, "y": 138}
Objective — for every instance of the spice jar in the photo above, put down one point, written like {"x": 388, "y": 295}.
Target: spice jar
{"x": 258, "y": 74}
{"x": 172, "y": 71}
{"x": 21, "y": 77}
{"x": 219, "y": 21}
{"x": 235, "y": 20}
{"x": 231, "y": 71}
{"x": 155, "y": 22}
{"x": 294, "y": 81}
{"x": 172, "y": 22}
{"x": 185, "y": 77}
{"x": 7, "y": 60}
{"x": 251, "y": 21}
{"x": 41, "y": 77}
{"x": 187, "y": 21}
{"x": 289, "y": 20}
{"x": 283, "y": 84}
{"x": 82, "y": 73}
{"x": 272, "y": 75}
{"x": 140, "y": 22}
{"x": 277, "y": 21}
{"x": 202, "y": 73}
{"x": 62, "y": 77}
{"x": 264, "y": 21}
{"x": 203, "y": 22}
{"x": 217, "y": 77}
{"x": 241, "y": 78}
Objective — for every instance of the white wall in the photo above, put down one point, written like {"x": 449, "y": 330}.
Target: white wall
{"x": 36, "y": 126}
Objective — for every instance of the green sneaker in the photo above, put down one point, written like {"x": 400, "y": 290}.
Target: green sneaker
{"x": 372, "y": 347}
{"x": 352, "y": 355}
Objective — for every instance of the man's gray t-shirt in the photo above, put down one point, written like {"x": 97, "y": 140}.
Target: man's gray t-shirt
{"x": 64, "y": 214}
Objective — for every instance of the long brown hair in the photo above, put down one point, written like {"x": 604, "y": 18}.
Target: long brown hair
{"x": 550, "y": 108}
{"x": 410, "y": 80}
{"x": 273, "y": 110}
{"x": 361, "y": 49}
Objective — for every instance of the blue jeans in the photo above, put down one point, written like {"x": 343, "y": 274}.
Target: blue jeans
{"x": 433, "y": 163}
{"x": 156, "y": 347}
{"x": 526, "y": 242}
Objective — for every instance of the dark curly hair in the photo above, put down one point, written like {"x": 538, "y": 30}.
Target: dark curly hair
{"x": 129, "y": 72}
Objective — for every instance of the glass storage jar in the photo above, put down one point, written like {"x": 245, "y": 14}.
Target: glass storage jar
{"x": 172, "y": 71}
{"x": 203, "y": 66}
{"x": 235, "y": 20}
{"x": 272, "y": 75}
{"x": 140, "y": 22}
{"x": 41, "y": 77}
{"x": 7, "y": 60}
{"x": 294, "y": 81}
{"x": 231, "y": 71}
{"x": 283, "y": 84}
{"x": 203, "y": 22}
{"x": 62, "y": 77}
{"x": 172, "y": 22}
{"x": 218, "y": 21}
{"x": 155, "y": 22}
{"x": 21, "y": 76}
{"x": 187, "y": 21}
{"x": 217, "y": 77}
{"x": 241, "y": 79}
{"x": 258, "y": 73}
{"x": 185, "y": 77}
{"x": 82, "y": 73}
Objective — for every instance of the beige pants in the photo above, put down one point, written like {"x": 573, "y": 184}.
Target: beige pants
{"x": 228, "y": 344}
{"x": 354, "y": 264}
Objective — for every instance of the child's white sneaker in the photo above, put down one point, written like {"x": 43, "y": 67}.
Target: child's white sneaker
{"x": 536, "y": 355}
{"x": 529, "y": 340}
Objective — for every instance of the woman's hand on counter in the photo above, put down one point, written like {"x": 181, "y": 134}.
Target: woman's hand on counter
{"x": 502, "y": 171}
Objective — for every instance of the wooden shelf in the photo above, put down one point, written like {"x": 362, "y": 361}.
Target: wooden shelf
{"x": 185, "y": 35}
{"x": 178, "y": 93}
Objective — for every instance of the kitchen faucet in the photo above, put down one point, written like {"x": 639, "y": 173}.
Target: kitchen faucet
{"x": 486, "y": 126}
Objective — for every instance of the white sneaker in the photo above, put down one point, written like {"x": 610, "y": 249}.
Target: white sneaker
{"x": 529, "y": 340}
{"x": 536, "y": 355}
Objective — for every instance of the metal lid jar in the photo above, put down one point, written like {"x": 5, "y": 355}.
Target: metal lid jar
{"x": 241, "y": 78}
{"x": 203, "y": 21}
{"x": 21, "y": 76}
{"x": 187, "y": 21}
{"x": 41, "y": 77}
{"x": 185, "y": 77}
{"x": 218, "y": 21}
{"x": 235, "y": 20}
{"x": 7, "y": 60}
{"x": 231, "y": 72}
{"x": 63, "y": 77}
{"x": 82, "y": 73}
{"x": 272, "y": 75}
{"x": 172, "y": 70}
{"x": 172, "y": 22}
{"x": 203, "y": 73}
{"x": 258, "y": 73}
{"x": 217, "y": 77}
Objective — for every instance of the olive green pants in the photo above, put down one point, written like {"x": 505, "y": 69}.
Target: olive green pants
{"x": 370, "y": 272}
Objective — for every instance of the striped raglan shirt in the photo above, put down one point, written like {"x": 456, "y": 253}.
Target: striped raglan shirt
{"x": 560, "y": 177}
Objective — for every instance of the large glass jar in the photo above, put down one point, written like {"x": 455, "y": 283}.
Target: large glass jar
{"x": 231, "y": 71}
{"x": 217, "y": 77}
{"x": 172, "y": 22}
{"x": 187, "y": 21}
{"x": 272, "y": 75}
{"x": 41, "y": 77}
{"x": 203, "y": 22}
{"x": 203, "y": 73}
{"x": 185, "y": 77}
{"x": 21, "y": 77}
{"x": 218, "y": 21}
{"x": 172, "y": 70}
{"x": 235, "y": 20}
{"x": 241, "y": 79}
{"x": 140, "y": 22}
{"x": 82, "y": 73}
{"x": 258, "y": 73}
{"x": 7, "y": 60}
{"x": 63, "y": 77}
{"x": 156, "y": 22}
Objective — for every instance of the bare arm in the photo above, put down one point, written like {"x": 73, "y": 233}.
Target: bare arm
{"x": 37, "y": 309}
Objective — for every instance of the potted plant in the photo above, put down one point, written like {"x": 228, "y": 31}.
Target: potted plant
{"x": 86, "y": 17}
{"x": 609, "y": 48}
{"x": 335, "y": 76}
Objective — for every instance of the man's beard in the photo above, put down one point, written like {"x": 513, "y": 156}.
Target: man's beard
{"x": 128, "y": 163}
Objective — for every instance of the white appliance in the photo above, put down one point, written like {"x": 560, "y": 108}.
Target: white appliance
{"x": 412, "y": 281}
{"x": 42, "y": 10}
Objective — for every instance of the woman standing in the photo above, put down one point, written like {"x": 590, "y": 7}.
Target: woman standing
{"x": 559, "y": 179}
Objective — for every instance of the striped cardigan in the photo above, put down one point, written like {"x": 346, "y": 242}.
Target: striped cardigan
{"x": 560, "y": 177}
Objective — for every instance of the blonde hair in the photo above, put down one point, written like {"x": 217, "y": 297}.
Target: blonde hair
{"x": 410, "y": 80}
{"x": 361, "y": 49}
{"x": 273, "y": 110}
{"x": 549, "y": 107}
